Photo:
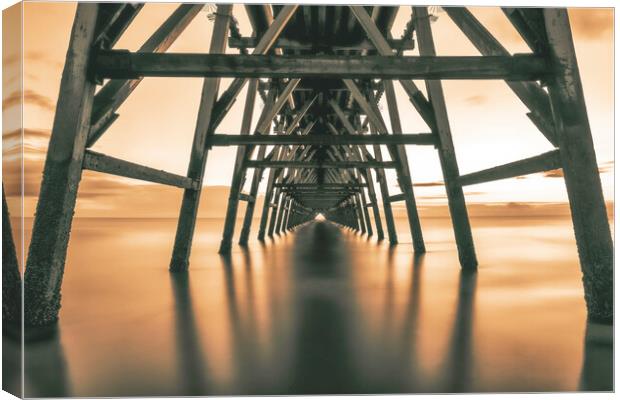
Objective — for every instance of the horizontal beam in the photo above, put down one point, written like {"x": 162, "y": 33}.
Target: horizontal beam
{"x": 320, "y": 185}
{"x": 321, "y": 140}
{"x": 321, "y": 191}
{"x": 94, "y": 161}
{"x": 122, "y": 64}
{"x": 541, "y": 163}
{"x": 246, "y": 197}
{"x": 326, "y": 164}
{"x": 397, "y": 197}
{"x": 289, "y": 44}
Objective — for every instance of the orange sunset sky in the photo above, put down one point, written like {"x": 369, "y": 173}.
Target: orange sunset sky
{"x": 156, "y": 124}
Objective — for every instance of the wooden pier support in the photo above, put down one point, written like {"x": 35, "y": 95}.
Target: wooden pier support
{"x": 61, "y": 175}
{"x": 578, "y": 158}
{"x": 323, "y": 101}
{"x": 198, "y": 158}
{"x": 447, "y": 156}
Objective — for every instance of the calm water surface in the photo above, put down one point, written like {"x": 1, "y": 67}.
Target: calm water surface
{"x": 322, "y": 310}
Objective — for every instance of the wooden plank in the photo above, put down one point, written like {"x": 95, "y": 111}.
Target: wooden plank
{"x": 316, "y": 164}
{"x": 291, "y": 44}
{"x": 322, "y": 140}
{"x": 540, "y": 163}
{"x": 94, "y": 161}
{"x": 121, "y": 64}
{"x": 583, "y": 184}
{"x": 61, "y": 176}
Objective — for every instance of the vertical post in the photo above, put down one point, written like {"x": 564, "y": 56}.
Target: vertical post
{"x": 375, "y": 206}
{"x": 583, "y": 183}
{"x": 198, "y": 158}
{"x": 61, "y": 175}
{"x": 360, "y": 213}
{"x": 269, "y": 192}
{"x": 239, "y": 172}
{"x": 385, "y": 194}
{"x": 362, "y": 200}
{"x": 447, "y": 157}
{"x": 403, "y": 172}
{"x": 283, "y": 201}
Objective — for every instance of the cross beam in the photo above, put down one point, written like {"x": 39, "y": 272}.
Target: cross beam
{"x": 325, "y": 164}
{"x": 122, "y": 64}
{"x": 321, "y": 140}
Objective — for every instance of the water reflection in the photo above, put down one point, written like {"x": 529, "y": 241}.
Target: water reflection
{"x": 458, "y": 363}
{"x": 191, "y": 364}
{"x": 46, "y": 372}
{"x": 319, "y": 311}
{"x": 324, "y": 304}
{"x": 597, "y": 371}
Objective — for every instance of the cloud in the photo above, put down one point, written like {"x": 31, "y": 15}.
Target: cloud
{"x": 591, "y": 23}
{"x": 30, "y": 97}
{"x": 477, "y": 99}
{"x": 605, "y": 167}
{"x": 428, "y": 184}
{"x": 554, "y": 173}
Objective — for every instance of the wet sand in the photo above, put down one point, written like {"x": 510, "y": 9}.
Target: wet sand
{"x": 323, "y": 310}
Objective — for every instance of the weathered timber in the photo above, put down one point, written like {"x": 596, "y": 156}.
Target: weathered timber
{"x": 320, "y": 186}
{"x": 530, "y": 93}
{"x": 109, "y": 30}
{"x": 225, "y": 102}
{"x": 61, "y": 176}
{"x": 403, "y": 173}
{"x": 289, "y": 44}
{"x": 238, "y": 172}
{"x": 321, "y": 140}
{"x": 198, "y": 157}
{"x": 247, "y": 197}
{"x": 447, "y": 156}
{"x": 11, "y": 277}
{"x": 541, "y": 163}
{"x": 262, "y": 129}
{"x": 583, "y": 184}
{"x": 317, "y": 164}
{"x": 102, "y": 163}
{"x": 114, "y": 93}
{"x": 385, "y": 194}
{"x": 120, "y": 64}
{"x": 417, "y": 98}
{"x": 397, "y": 197}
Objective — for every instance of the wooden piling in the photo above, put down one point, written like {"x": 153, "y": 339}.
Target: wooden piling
{"x": 61, "y": 175}
{"x": 583, "y": 184}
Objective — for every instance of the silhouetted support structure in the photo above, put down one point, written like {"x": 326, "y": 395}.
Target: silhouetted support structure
{"x": 11, "y": 278}
{"x": 321, "y": 72}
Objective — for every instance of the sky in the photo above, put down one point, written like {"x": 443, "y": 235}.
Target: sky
{"x": 156, "y": 124}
